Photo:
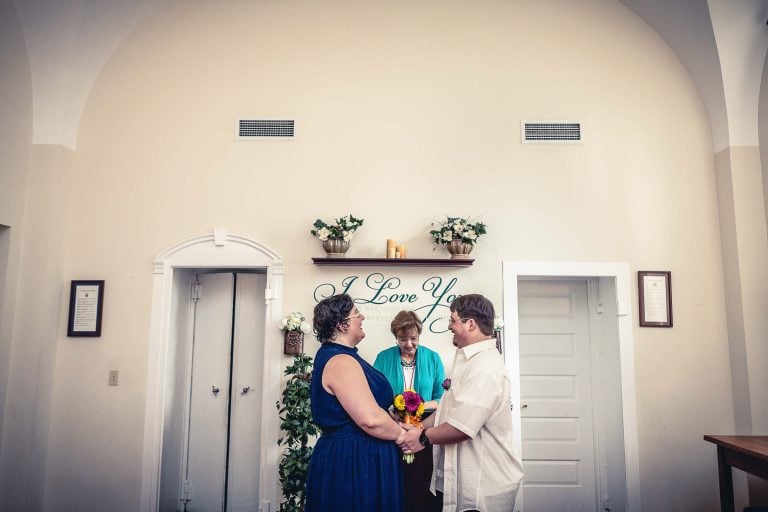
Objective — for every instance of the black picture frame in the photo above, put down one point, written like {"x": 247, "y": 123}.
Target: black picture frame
{"x": 86, "y": 303}
{"x": 654, "y": 289}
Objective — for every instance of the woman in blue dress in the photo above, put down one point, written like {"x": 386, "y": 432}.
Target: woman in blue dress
{"x": 355, "y": 464}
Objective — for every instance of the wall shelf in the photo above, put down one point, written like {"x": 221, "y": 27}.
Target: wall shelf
{"x": 392, "y": 262}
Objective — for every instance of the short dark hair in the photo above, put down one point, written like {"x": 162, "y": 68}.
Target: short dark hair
{"x": 476, "y": 307}
{"x": 405, "y": 321}
{"x": 329, "y": 314}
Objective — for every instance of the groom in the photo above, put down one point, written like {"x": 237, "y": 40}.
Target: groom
{"x": 475, "y": 467}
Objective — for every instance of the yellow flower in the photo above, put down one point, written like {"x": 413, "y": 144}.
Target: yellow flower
{"x": 399, "y": 403}
{"x": 420, "y": 410}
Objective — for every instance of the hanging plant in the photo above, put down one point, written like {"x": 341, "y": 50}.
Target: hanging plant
{"x": 297, "y": 429}
{"x": 294, "y": 327}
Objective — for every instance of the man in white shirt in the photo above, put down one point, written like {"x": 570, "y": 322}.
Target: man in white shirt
{"x": 475, "y": 467}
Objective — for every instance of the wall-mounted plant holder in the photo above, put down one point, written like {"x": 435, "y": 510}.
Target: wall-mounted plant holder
{"x": 293, "y": 343}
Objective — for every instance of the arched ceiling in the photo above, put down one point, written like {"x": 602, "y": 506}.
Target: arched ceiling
{"x": 722, "y": 44}
{"x": 69, "y": 42}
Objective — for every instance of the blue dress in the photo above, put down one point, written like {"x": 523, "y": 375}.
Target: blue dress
{"x": 350, "y": 470}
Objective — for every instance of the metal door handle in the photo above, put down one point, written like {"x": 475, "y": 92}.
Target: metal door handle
{"x": 246, "y": 390}
{"x": 215, "y": 390}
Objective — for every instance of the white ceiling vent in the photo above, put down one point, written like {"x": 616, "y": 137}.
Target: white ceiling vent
{"x": 551, "y": 132}
{"x": 261, "y": 129}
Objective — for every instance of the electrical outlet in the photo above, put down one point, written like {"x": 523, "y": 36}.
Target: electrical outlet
{"x": 113, "y": 374}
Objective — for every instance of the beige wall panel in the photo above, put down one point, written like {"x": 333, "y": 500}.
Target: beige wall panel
{"x": 39, "y": 323}
{"x": 15, "y": 140}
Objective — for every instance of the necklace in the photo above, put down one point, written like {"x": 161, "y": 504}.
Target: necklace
{"x": 409, "y": 372}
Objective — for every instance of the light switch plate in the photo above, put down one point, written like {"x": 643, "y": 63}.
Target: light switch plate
{"x": 113, "y": 374}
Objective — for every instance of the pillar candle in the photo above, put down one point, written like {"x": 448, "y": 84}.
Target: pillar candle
{"x": 390, "y": 248}
{"x": 401, "y": 250}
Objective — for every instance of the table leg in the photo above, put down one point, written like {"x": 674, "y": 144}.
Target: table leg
{"x": 726, "y": 482}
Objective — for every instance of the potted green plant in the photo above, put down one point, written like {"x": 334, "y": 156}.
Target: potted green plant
{"x": 458, "y": 234}
{"x": 336, "y": 236}
{"x": 297, "y": 430}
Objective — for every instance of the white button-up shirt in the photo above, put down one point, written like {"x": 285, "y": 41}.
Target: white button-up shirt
{"x": 483, "y": 472}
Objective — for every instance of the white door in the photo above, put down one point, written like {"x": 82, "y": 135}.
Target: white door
{"x": 222, "y": 470}
{"x": 244, "y": 467}
{"x": 556, "y": 399}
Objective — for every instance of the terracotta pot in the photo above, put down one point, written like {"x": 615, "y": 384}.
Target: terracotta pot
{"x": 459, "y": 250}
{"x": 335, "y": 247}
{"x": 293, "y": 343}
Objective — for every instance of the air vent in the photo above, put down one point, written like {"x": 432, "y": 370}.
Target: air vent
{"x": 551, "y": 132}
{"x": 265, "y": 129}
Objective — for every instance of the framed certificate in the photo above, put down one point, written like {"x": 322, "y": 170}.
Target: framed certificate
{"x": 654, "y": 288}
{"x": 86, "y": 301}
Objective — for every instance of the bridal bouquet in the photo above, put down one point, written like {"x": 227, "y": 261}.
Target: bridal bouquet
{"x": 409, "y": 406}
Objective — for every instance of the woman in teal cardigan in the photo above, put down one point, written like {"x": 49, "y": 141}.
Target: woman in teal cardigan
{"x": 409, "y": 366}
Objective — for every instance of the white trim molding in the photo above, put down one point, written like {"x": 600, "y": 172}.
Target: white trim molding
{"x": 217, "y": 250}
{"x": 512, "y": 271}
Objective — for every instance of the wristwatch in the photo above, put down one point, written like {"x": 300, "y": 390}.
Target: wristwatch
{"x": 423, "y": 439}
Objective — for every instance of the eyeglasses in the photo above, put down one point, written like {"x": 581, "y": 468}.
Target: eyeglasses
{"x": 452, "y": 320}
{"x": 354, "y": 314}
{"x": 412, "y": 339}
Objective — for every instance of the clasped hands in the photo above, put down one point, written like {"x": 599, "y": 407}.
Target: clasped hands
{"x": 408, "y": 440}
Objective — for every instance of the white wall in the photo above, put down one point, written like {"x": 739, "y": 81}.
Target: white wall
{"x": 404, "y": 112}
{"x": 33, "y": 204}
{"x": 15, "y": 138}
{"x": 763, "y": 133}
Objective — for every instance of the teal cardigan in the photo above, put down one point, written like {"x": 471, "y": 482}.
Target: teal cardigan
{"x": 430, "y": 372}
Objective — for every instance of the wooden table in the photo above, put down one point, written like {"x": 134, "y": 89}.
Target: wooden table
{"x": 748, "y": 453}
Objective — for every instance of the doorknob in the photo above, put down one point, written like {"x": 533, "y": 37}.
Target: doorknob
{"x": 215, "y": 390}
{"x": 246, "y": 390}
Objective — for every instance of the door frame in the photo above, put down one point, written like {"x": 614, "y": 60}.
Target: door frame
{"x": 511, "y": 272}
{"x": 218, "y": 250}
